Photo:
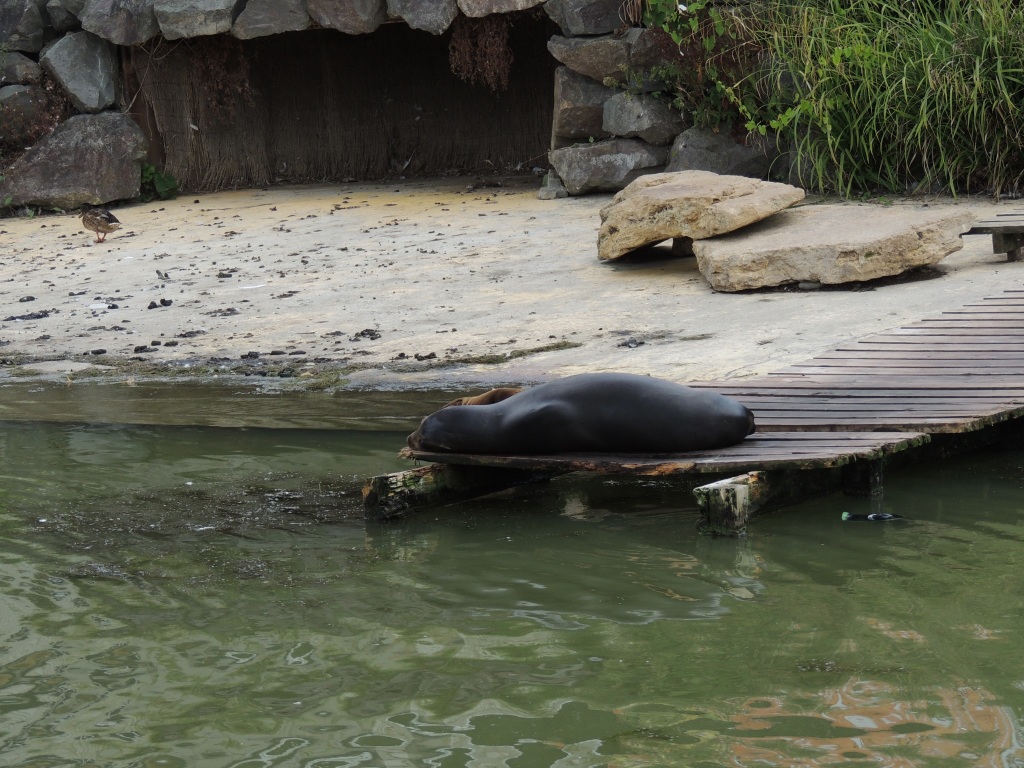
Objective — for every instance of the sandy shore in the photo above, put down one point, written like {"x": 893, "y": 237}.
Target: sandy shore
{"x": 414, "y": 284}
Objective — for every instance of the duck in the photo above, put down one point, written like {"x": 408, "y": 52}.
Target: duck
{"x": 99, "y": 220}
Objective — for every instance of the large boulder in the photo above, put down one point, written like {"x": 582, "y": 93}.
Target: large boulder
{"x": 625, "y": 58}
{"x": 270, "y": 17}
{"x": 196, "y": 18}
{"x": 605, "y": 165}
{"x": 600, "y": 58}
{"x": 63, "y": 14}
{"x": 18, "y": 69}
{"x": 637, "y": 115}
{"x": 25, "y": 114}
{"x": 477, "y": 8}
{"x": 579, "y": 107}
{"x": 87, "y": 159}
{"x": 830, "y": 244}
{"x": 86, "y": 68}
{"x": 433, "y": 16}
{"x": 701, "y": 149}
{"x": 689, "y": 204}
{"x": 23, "y": 25}
{"x": 585, "y": 17}
{"x": 353, "y": 17}
{"x": 122, "y": 22}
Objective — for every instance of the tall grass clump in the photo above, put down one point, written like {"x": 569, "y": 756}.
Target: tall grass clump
{"x": 896, "y": 95}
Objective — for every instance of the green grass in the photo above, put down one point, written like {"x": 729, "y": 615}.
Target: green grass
{"x": 900, "y": 96}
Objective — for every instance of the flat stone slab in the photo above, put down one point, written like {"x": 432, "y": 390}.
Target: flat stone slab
{"x": 686, "y": 204}
{"x": 831, "y": 244}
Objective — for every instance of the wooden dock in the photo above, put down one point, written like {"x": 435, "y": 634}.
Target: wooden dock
{"x": 835, "y": 421}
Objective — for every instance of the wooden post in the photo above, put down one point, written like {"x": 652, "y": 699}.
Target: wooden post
{"x": 395, "y": 495}
{"x": 1012, "y": 244}
{"x": 726, "y": 506}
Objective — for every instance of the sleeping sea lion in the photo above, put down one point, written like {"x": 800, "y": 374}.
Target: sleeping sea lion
{"x": 589, "y": 413}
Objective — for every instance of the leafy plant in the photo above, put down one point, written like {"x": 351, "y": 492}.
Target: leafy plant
{"x": 157, "y": 184}
{"x": 899, "y": 96}
{"x": 714, "y": 77}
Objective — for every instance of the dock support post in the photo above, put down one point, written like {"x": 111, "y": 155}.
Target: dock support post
{"x": 726, "y": 506}
{"x": 1011, "y": 244}
{"x": 864, "y": 478}
{"x": 396, "y": 494}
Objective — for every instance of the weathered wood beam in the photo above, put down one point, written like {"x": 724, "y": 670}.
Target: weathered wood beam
{"x": 727, "y": 505}
{"x": 1012, "y": 244}
{"x": 395, "y": 495}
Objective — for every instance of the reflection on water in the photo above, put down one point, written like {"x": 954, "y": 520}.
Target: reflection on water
{"x": 178, "y": 596}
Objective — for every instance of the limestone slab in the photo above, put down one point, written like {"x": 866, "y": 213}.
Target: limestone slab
{"x": 686, "y": 204}
{"x": 831, "y": 244}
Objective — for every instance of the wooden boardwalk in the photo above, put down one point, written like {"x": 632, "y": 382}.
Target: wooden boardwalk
{"x": 955, "y": 373}
{"x": 840, "y": 415}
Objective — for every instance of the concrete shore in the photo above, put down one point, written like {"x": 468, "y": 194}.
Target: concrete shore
{"x": 450, "y": 284}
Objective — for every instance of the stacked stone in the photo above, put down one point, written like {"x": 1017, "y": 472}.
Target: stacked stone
{"x": 608, "y": 127}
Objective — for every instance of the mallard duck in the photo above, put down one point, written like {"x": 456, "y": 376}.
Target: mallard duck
{"x": 99, "y": 220}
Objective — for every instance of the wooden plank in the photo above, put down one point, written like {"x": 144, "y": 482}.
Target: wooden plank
{"x": 899, "y": 379}
{"x": 969, "y": 354}
{"x": 794, "y": 450}
{"x": 726, "y": 506}
{"x": 951, "y": 348}
{"x": 956, "y": 335}
{"x": 394, "y": 495}
{"x": 914, "y": 367}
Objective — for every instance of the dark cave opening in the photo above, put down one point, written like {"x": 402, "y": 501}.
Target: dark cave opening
{"x": 319, "y": 105}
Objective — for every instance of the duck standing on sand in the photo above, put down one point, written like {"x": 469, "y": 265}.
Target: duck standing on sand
{"x": 99, "y": 220}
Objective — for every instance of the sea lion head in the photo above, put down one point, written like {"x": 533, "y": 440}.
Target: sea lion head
{"x": 456, "y": 429}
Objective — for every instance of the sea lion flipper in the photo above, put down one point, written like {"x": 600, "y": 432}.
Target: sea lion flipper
{"x": 487, "y": 398}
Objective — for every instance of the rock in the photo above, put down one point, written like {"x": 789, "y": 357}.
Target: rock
{"x": 641, "y": 116}
{"x": 830, "y": 244}
{"x": 478, "y": 8}
{"x": 123, "y": 22}
{"x": 353, "y": 17}
{"x": 87, "y": 159}
{"x": 552, "y": 188}
{"x": 433, "y": 16}
{"x": 19, "y": 69}
{"x": 701, "y": 149}
{"x": 687, "y": 204}
{"x": 585, "y": 17}
{"x": 579, "y": 107}
{"x": 23, "y": 25}
{"x": 598, "y": 58}
{"x": 651, "y": 47}
{"x": 196, "y": 18}
{"x": 605, "y": 165}
{"x": 270, "y": 17}
{"x": 63, "y": 14}
{"x": 24, "y": 115}
{"x": 86, "y": 68}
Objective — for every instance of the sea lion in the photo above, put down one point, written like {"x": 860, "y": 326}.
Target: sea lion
{"x": 589, "y": 413}
{"x": 488, "y": 397}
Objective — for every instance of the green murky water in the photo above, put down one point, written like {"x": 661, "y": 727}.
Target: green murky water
{"x": 173, "y": 595}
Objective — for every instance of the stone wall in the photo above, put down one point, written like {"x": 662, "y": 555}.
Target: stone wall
{"x": 248, "y": 92}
